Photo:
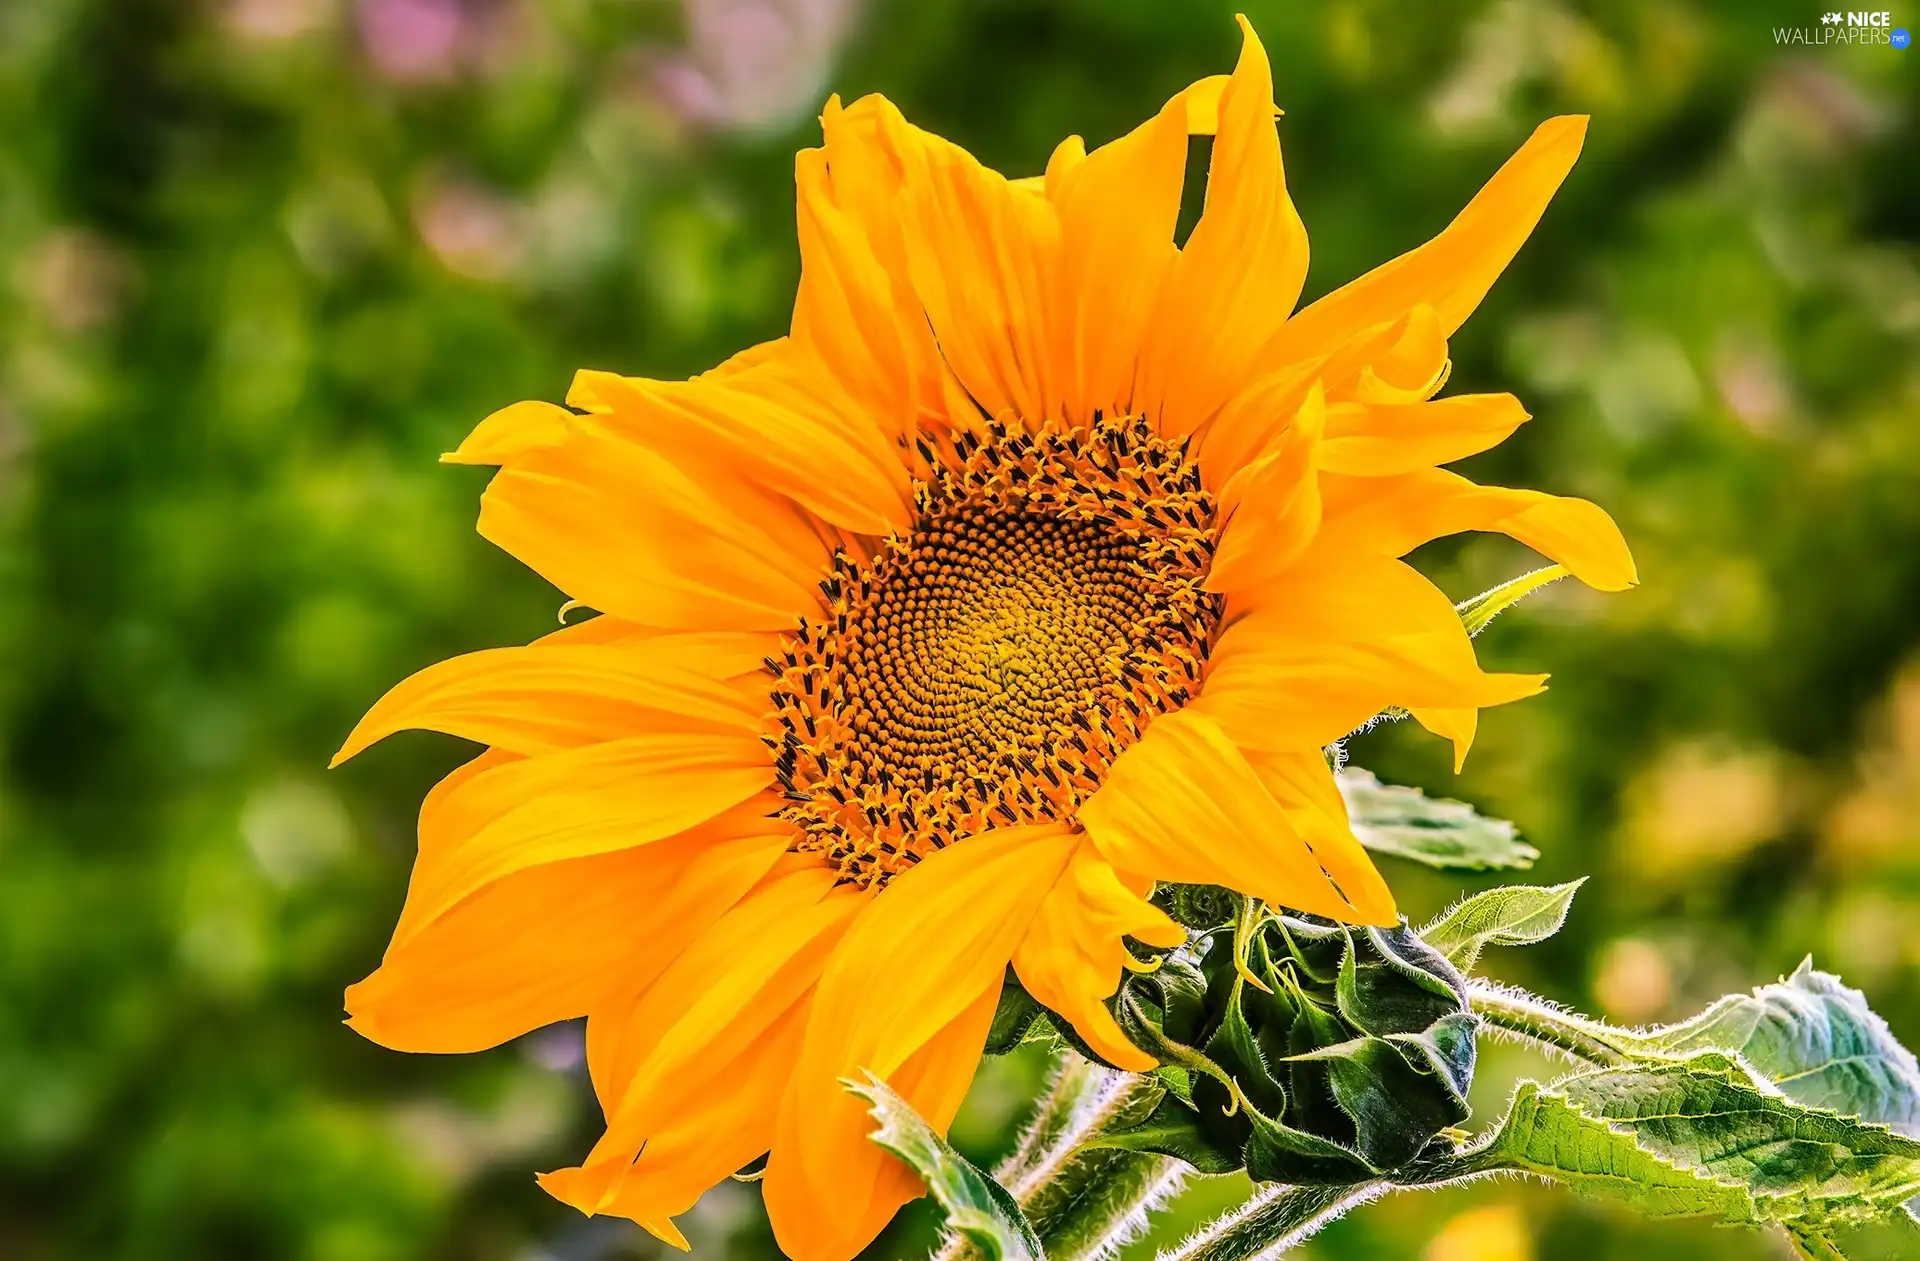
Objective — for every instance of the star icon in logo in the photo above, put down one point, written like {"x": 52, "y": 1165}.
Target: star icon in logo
{"x": 1831, "y": 19}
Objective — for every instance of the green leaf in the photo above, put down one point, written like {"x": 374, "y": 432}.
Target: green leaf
{"x": 1701, "y": 1137}
{"x": 1817, "y": 1040}
{"x": 978, "y": 1208}
{"x": 1544, "y": 1134}
{"x": 1483, "y": 608}
{"x": 1514, "y": 915}
{"x": 1450, "y": 835}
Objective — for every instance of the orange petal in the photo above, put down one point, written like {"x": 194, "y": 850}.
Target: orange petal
{"x": 655, "y": 540}
{"x": 709, "y": 1008}
{"x": 1241, "y": 270}
{"x": 551, "y": 943}
{"x": 1334, "y": 640}
{"x": 768, "y": 424}
{"x": 935, "y": 939}
{"x": 517, "y": 428}
{"x": 1302, "y": 785}
{"x": 980, "y": 253}
{"x": 834, "y": 1218}
{"x": 1118, "y": 206}
{"x": 1393, "y": 515}
{"x": 1072, "y": 956}
{"x": 1275, "y": 506}
{"x": 1383, "y": 441}
{"x": 1183, "y": 804}
{"x": 545, "y": 697}
{"x": 1452, "y": 272}
{"x": 571, "y": 804}
{"x": 726, "y": 1121}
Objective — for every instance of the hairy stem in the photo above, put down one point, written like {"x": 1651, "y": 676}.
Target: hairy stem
{"x": 1543, "y": 1024}
{"x": 1276, "y": 1220}
{"x": 1084, "y": 1203}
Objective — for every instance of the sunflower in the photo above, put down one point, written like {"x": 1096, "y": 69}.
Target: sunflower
{"x": 1037, "y": 564}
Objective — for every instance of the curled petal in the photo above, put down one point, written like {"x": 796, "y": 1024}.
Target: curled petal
{"x": 1391, "y": 516}
{"x": 1452, "y": 272}
{"x": 1072, "y": 955}
{"x": 1183, "y": 804}
{"x": 1241, "y": 270}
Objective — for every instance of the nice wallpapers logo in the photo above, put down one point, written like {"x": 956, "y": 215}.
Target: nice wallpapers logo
{"x": 1846, "y": 28}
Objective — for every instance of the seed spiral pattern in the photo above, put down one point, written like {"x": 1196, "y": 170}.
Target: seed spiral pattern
{"x": 984, "y": 669}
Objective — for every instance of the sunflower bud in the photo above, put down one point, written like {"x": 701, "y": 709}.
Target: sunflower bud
{"x": 1302, "y": 1050}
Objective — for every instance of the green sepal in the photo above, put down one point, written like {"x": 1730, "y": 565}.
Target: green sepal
{"x": 1387, "y": 1090}
{"x": 1322, "y": 1055}
{"x": 1478, "y": 611}
{"x": 1173, "y": 1128}
{"x": 1015, "y": 1019}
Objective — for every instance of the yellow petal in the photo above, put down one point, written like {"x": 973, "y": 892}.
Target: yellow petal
{"x": 551, "y": 943}
{"x": 726, "y": 1121}
{"x": 512, "y": 430}
{"x": 1334, "y": 640}
{"x": 1183, "y": 804}
{"x": 625, "y": 529}
{"x": 1241, "y": 270}
{"x": 709, "y": 1008}
{"x": 578, "y": 802}
{"x": 1452, "y": 272}
{"x": 1251, "y": 423}
{"x": 1381, "y": 441}
{"x": 1393, "y": 515}
{"x": 980, "y": 253}
{"x": 448, "y": 815}
{"x": 1275, "y": 506}
{"x": 1302, "y": 785}
{"x": 769, "y": 425}
{"x": 1410, "y": 367}
{"x": 855, "y": 308}
{"x": 1072, "y": 956}
{"x": 832, "y": 1210}
{"x": 1118, "y": 206}
{"x": 1203, "y": 104}
{"x": 1456, "y": 725}
{"x": 935, "y": 939}
{"x": 541, "y": 698}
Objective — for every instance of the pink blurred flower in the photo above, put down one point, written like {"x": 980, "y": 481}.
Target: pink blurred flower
{"x": 471, "y": 230}
{"x": 412, "y": 40}
{"x": 754, "y": 64}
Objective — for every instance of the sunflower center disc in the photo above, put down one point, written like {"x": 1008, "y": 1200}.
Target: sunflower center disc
{"x": 985, "y": 669}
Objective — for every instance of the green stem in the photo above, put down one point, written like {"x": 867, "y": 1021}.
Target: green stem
{"x": 1276, "y": 1220}
{"x": 1083, "y": 1203}
{"x": 1537, "y": 1021}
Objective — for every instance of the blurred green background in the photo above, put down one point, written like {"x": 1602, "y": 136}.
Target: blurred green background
{"x": 262, "y": 260}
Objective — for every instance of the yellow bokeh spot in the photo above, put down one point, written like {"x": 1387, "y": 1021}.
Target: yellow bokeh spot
{"x": 1492, "y": 1232}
